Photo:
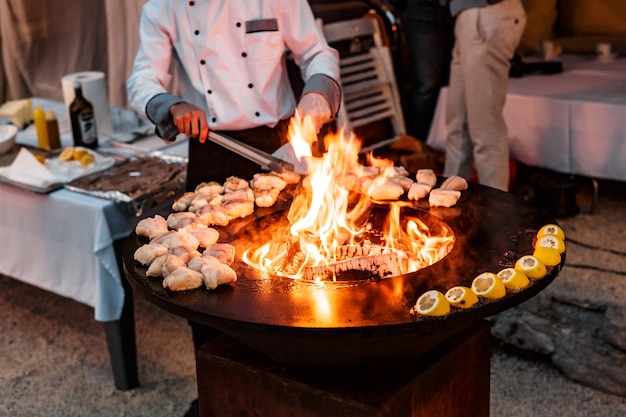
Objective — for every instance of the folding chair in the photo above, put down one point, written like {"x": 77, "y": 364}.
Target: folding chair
{"x": 370, "y": 94}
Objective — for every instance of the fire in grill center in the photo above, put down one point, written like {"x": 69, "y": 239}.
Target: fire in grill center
{"x": 371, "y": 257}
{"x": 343, "y": 224}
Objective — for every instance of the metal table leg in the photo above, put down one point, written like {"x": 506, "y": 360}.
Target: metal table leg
{"x": 120, "y": 335}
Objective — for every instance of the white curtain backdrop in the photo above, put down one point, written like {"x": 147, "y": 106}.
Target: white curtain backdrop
{"x": 40, "y": 41}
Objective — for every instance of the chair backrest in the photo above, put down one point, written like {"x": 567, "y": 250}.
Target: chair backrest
{"x": 370, "y": 94}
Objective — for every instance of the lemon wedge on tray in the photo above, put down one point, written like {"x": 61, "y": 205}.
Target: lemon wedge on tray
{"x": 488, "y": 285}
{"x": 513, "y": 279}
{"x": 549, "y": 256}
{"x": 551, "y": 241}
{"x": 551, "y": 229}
{"x": 86, "y": 159}
{"x": 67, "y": 154}
{"x": 78, "y": 153}
{"x": 461, "y": 297}
{"x": 531, "y": 266}
{"x": 433, "y": 304}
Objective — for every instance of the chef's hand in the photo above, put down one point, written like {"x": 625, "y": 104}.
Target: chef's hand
{"x": 190, "y": 120}
{"x": 316, "y": 106}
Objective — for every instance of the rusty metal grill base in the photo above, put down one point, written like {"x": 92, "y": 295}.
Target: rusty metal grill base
{"x": 449, "y": 380}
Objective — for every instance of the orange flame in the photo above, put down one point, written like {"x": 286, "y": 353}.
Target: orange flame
{"x": 331, "y": 209}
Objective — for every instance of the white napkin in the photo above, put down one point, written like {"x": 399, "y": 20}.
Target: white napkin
{"x": 67, "y": 171}
{"x": 26, "y": 169}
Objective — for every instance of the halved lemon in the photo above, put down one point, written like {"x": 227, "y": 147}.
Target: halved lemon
{"x": 551, "y": 229}
{"x": 67, "y": 154}
{"x": 549, "y": 256}
{"x": 513, "y": 279}
{"x": 87, "y": 159}
{"x": 432, "y": 303}
{"x": 79, "y": 153}
{"x": 532, "y": 267}
{"x": 461, "y": 297}
{"x": 488, "y": 285}
{"x": 551, "y": 241}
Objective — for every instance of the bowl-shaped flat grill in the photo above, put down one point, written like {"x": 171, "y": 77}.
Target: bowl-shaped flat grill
{"x": 305, "y": 324}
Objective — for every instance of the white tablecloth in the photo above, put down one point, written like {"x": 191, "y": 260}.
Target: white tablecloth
{"x": 572, "y": 122}
{"x": 63, "y": 243}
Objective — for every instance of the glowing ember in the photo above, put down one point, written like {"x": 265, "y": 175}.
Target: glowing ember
{"x": 329, "y": 230}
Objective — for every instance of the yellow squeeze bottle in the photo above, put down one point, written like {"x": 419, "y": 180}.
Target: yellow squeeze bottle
{"x": 39, "y": 117}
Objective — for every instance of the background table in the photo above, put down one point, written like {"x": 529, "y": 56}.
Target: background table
{"x": 65, "y": 243}
{"x": 573, "y": 122}
{"x": 69, "y": 244}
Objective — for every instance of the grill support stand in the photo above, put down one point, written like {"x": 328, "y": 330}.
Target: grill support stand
{"x": 450, "y": 380}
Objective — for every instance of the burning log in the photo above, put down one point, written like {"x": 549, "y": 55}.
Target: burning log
{"x": 377, "y": 267}
{"x": 352, "y": 251}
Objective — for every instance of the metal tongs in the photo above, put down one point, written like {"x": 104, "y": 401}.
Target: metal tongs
{"x": 251, "y": 153}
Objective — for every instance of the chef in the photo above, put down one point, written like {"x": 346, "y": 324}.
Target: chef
{"x": 228, "y": 58}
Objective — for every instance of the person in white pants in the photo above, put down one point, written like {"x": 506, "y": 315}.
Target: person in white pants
{"x": 487, "y": 32}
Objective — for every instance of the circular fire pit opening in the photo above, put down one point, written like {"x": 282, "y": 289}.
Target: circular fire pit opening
{"x": 394, "y": 239}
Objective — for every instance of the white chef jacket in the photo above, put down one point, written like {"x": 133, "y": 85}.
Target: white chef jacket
{"x": 231, "y": 60}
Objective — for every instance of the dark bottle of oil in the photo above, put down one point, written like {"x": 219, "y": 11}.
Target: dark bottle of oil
{"x": 83, "y": 120}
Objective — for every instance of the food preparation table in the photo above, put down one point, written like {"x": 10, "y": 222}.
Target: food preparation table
{"x": 69, "y": 244}
{"x": 573, "y": 122}
{"x": 65, "y": 243}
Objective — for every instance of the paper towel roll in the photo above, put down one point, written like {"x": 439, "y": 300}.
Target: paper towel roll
{"x": 95, "y": 91}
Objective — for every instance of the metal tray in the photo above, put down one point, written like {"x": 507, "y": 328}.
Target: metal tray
{"x": 28, "y": 187}
{"x": 7, "y": 159}
{"x": 139, "y": 184}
